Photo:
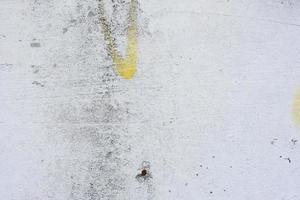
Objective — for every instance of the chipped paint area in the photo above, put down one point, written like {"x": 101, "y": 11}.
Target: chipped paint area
{"x": 209, "y": 111}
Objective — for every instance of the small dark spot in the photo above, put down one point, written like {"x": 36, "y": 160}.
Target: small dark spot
{"x": 230, "y": 166}
{"x": 280, "y": 156}
{"x": 206, "y": 167}
{"x": 197, "y": 174}
{"x": 224, "y": 190}
{"x": 144, "y": 172}
{"x": 288, "y": 159}
{"x": 169, "y": 190}
{"x": 211, "y": 192}
{"x": 35, "y": 44}
{"x": 186, "y": 184}
{"x": 201, "y": 166}
{"x": 213, "y": 156}
{"x": 42, "y": 160}
{"x": 65, "y": 30}
{"x": 273, "y": 141}
{"x": 294, "y": 141}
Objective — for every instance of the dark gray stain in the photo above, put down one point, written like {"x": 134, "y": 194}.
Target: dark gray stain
{"x": 64, "y": 30}
{"x": 35, "y": 44}
{"x": 38, "y": 84}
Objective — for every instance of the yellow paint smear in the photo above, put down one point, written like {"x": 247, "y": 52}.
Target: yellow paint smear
{"x": 126, "y": 67}
{"x": 296, "y": 108}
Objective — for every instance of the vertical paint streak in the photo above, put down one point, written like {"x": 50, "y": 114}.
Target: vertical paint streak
{"x": 296, "y": 108}
{"x": 126, "y": 67}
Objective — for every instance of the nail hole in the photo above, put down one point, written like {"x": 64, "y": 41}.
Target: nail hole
{"x": 144, "y": 172}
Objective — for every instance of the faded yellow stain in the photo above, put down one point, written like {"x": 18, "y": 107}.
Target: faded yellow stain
{"x": 125, "y": 66}
{"x": 296, "y": 108}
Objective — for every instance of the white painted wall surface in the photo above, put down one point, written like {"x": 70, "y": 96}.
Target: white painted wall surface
{"x": 209, "y": 112}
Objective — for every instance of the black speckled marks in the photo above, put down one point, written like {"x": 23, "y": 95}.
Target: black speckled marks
{"x": 88, "y": 122}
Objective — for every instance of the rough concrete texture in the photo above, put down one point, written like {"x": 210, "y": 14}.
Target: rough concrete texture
{"x": 208, "y": 114}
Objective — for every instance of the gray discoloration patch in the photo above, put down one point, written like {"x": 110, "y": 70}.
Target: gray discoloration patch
{"x": 35, "y": 68}
{"x": 35, "y": 44}
{"x": 38, "y": 83}
{"x": 65, "y": 30}
{"x": 91, "y": 14}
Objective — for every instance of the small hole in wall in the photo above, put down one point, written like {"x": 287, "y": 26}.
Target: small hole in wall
{"x": 144, "y": 172}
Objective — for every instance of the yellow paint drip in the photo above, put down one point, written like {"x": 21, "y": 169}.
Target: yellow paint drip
{"x": 296, "y": 108}
{"x": 126, "y": 67}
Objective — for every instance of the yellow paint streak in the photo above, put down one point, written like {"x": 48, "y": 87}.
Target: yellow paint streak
{"x": 126, "y": 67}
{"x": 296, "y": 108}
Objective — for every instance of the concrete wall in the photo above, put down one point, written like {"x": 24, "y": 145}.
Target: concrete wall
{"x": 212, "y": 111}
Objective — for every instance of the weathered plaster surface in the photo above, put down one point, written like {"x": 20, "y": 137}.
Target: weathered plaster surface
{"x": 208, "y": 114}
